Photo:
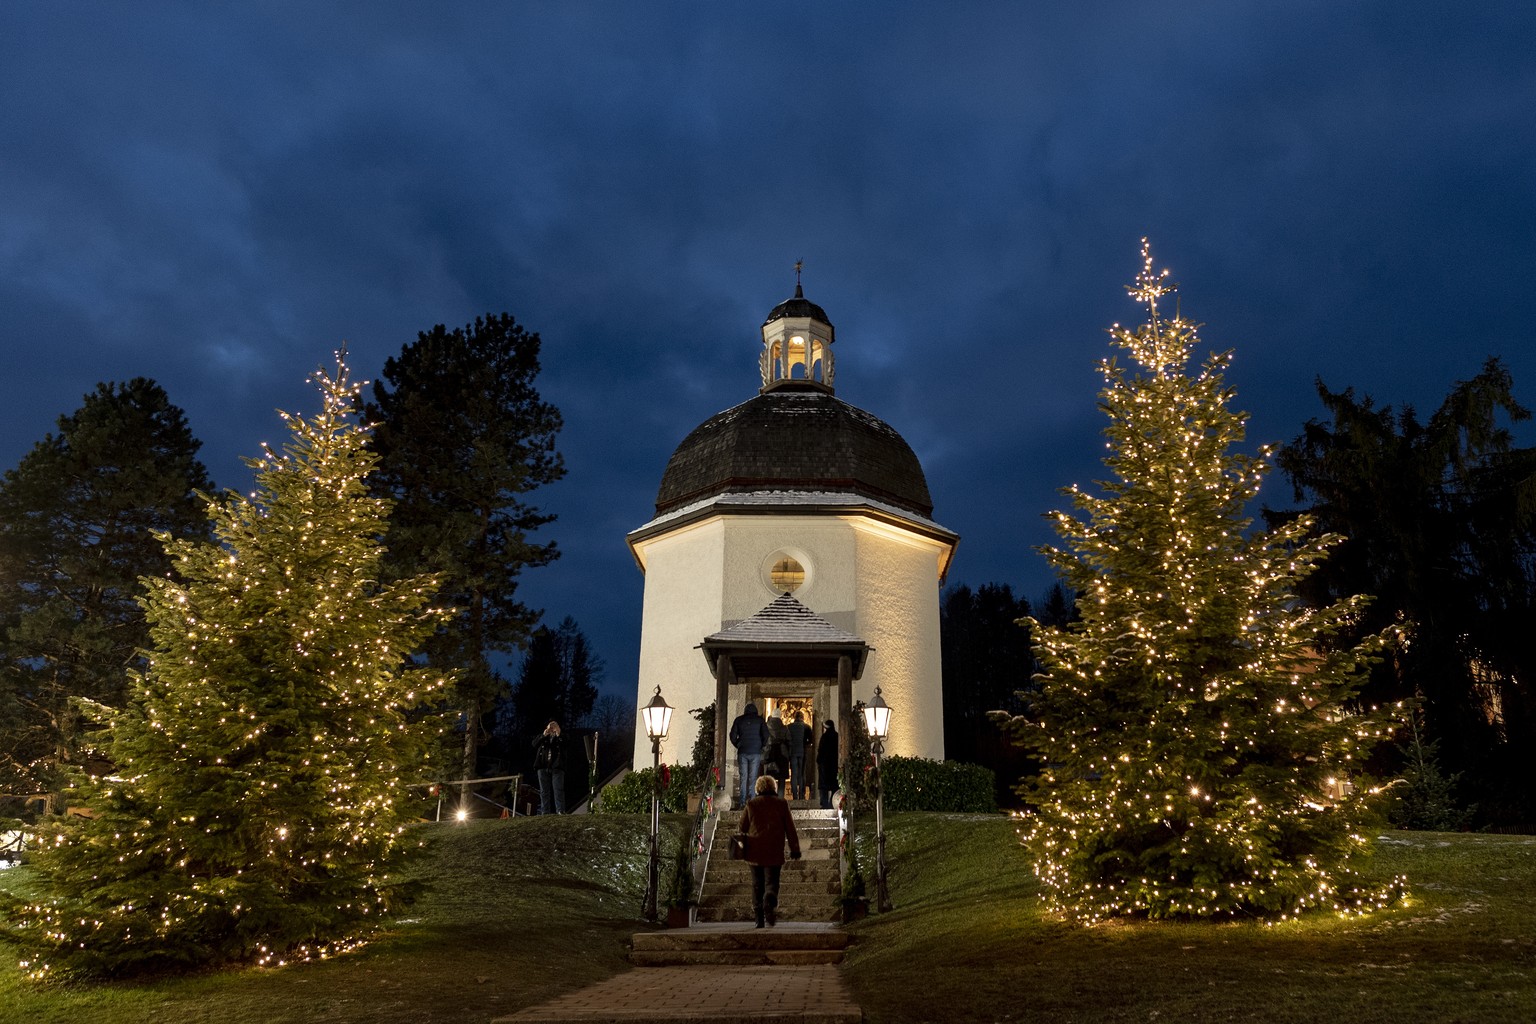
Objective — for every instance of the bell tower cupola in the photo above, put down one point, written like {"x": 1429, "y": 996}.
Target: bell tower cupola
{"x": 797, "y": 343}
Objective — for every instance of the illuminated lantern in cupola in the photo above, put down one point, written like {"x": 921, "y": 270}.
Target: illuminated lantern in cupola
{"x": 797, "y": 342}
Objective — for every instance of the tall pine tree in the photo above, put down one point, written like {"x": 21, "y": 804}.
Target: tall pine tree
{"x": 257, "y": 807}
{"x": 1195, "y": 726}
{"x": 1441, "y": 532}
{"x": 463, "y": 438}
{"x": 77, "y": 521}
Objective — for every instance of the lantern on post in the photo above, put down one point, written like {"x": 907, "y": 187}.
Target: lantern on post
{"x": 877, "y": 719}
{"x": 657, "y": 716}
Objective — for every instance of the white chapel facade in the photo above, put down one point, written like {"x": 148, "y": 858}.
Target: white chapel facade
{"x": 793, "y": 560}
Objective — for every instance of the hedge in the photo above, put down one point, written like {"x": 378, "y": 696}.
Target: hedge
{"x": 632, "y": 793}
{"x": 919, "y": 784}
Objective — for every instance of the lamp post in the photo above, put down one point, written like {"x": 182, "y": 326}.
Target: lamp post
{"x": 877, "y": 718}
{"x": 658, "y": 716}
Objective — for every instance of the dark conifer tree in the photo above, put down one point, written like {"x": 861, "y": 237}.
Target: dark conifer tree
{"x": 77, "y": 523}
{"x": 987, "y": 665}
{"x": 1439, "y": 529}
{"x": 463, "y": 438}
{"x": 1058, "y": 607}
{"x": 558, "y": 679}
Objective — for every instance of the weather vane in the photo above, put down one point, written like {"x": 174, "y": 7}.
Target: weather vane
{"x": 798, "y": 265}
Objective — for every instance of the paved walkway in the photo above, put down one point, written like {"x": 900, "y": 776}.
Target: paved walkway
{"x": 808, "y": 994}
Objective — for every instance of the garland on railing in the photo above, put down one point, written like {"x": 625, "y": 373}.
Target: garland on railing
{"x": 683, "y": 892}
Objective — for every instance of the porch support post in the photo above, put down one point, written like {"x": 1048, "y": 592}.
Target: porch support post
{"x": 845, "y": 698}
{"x": 725, "y": 674}
{"x": 845, "y": 729}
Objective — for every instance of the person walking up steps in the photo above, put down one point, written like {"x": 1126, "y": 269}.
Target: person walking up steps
{"x": 767, "y": 824}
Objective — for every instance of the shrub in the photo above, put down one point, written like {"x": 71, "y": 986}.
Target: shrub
{"x": 632, "y": 793}
{"x": 704, "y": 741}
{"x": 919, "y": 784}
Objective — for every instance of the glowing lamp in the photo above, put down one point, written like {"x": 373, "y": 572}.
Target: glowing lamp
{"x": 877, "y": 717}
{"x": 658, "y": 717}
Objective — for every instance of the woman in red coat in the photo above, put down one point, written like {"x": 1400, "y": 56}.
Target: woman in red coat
{"x": 767, "y": 824}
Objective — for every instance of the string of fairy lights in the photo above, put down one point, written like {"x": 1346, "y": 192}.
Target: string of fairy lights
{"x": 253, "y": 812}
{"x": 1196, "y": 723}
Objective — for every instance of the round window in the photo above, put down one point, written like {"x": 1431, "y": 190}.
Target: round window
{"x": 785, "y": 574}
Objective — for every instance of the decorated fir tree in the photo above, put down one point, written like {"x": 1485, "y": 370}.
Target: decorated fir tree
{"x": 1196, "y": 727}
{"x": 259, "y": 795}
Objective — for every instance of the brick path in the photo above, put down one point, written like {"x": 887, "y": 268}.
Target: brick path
{"x": 759, "y": 995}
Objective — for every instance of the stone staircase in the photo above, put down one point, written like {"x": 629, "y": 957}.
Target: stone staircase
{"x": 724, "y": 931}
{"x": 808, "y": 887}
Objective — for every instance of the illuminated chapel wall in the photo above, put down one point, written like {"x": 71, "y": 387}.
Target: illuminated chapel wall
{"x": 874, "y": 580}
{"x": 684, "y": 580}
{"x": 898, "y": 603}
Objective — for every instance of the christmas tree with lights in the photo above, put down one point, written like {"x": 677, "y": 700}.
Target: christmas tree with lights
{"x": 259, "y": 795}
{"x": 1196, "y": 728}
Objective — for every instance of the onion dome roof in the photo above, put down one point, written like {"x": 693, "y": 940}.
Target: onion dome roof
{"x": 795, "y": 437}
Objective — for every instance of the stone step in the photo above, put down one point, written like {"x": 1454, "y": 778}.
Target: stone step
{"x": 728, "y": 892}
{"x": 821, "y": 846}
{"x": 722, "y": 841}
{"x": 810, "y": 860}
{"x": 786, "y": 937}
{"x": 779, "y": 957}
{"x": 741, "y": 882}
{"x": 791, "y": 943}
{"x": 805, "y": 868}
{"x": 795, "y": 871}
{"x": 801, "y": 824}
{"x": 821, "y": 910}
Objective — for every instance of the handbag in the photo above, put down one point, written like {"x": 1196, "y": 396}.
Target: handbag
{"x": 738, "y": 847}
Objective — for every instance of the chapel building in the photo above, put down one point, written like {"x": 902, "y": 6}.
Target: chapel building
{"x": 793, "y": 561}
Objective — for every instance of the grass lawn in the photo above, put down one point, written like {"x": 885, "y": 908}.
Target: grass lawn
{"x": 518, "y": 911}
{"x": 524, "y": 909}
{"x": 968, "y": 942}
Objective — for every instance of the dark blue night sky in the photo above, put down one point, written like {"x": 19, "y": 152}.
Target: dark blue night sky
{"x": 216, "y": 196}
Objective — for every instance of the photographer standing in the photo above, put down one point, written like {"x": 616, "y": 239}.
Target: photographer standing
{"x": 549, "y": 761}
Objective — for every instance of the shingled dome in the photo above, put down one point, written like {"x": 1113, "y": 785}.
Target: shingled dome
{"x": 795, "y": 438}
{"x": 799, "y": 306}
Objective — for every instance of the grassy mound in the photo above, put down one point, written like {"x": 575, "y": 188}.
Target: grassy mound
{"x": 522, "y": 910}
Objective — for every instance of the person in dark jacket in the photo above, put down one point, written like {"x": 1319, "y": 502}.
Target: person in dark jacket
{"x": 799, "y": 745}
{"x": 826, "y": 763}
{"x": 776, "y": 757}
{"x": 749, "y": 735}
{"x": 767, "y": 824}
{"x": 549, "y": 762}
